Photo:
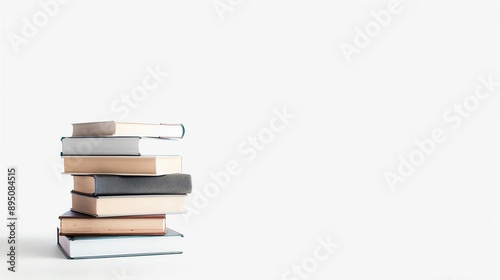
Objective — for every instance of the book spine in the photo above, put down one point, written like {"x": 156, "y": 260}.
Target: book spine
{"x": 131, "y": 185}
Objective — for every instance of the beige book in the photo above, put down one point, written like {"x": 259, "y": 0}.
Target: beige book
{"x": 127, "y": 205}
{"x": 123, "y": 165}
{"x": 111, "y": 128}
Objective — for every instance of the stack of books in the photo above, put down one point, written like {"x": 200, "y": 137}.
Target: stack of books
{"x": 127, "y": 178}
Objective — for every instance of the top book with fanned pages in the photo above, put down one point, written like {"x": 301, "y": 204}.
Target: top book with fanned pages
{"x": 111, "y": 128}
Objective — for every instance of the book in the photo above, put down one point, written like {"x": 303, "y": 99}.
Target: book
{"x": 97, "y": 185}
{"x": 120, "y": 145}
{"x": 111, "y": 128}
{"x": 73, "y": 223}
{"x": 123, "y": 165}
{"x": 87, "y": 247}
{"x": 127, "y": 205}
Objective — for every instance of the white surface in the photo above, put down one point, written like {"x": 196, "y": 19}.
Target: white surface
{"x": 321, "y": 175}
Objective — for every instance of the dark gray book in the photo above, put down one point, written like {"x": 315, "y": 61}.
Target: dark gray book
{"x": 102, "y": 185}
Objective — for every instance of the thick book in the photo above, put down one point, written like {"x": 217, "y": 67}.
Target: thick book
{"x": 74, "y": 224}
{"x": 123, "y": 165}
{"x": 97, "y": 185}
{"x": 119, "y": 146}
{"x": 111, "y": 128}
{"x": 127, "y": 205}
{"x": 89, "y": 247}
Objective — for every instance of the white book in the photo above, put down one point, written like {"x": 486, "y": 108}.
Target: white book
{"x": 123, "y": 146}
{"x": 79, "y": 247}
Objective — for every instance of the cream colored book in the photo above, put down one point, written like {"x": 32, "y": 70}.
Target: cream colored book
{"x": 123, "y": 165}
{"x": 127, "y": 205}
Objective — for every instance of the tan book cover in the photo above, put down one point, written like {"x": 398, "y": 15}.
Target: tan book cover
{"x": 111, "y": 128}
{"x": 74, "y": 223}
{"x": 127, "y": 205}
{"x": 123, "y": 165}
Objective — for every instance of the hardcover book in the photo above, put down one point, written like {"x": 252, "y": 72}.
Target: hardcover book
{"x": 87, "y": 247}
{"x": 74, "y": 223}
{"x": 123, "y": 165}
{"x": 125, "y": 185}
{"x": 111, "y": 128}
{"x": 127, "y": 205}
{"x": 119, "y": 146}
{"x": 127, "y": 178}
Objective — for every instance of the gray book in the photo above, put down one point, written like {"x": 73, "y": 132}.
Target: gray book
{"x": 102, "y": 185}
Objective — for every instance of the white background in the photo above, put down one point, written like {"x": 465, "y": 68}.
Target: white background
{"x": 323, "y": 175}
